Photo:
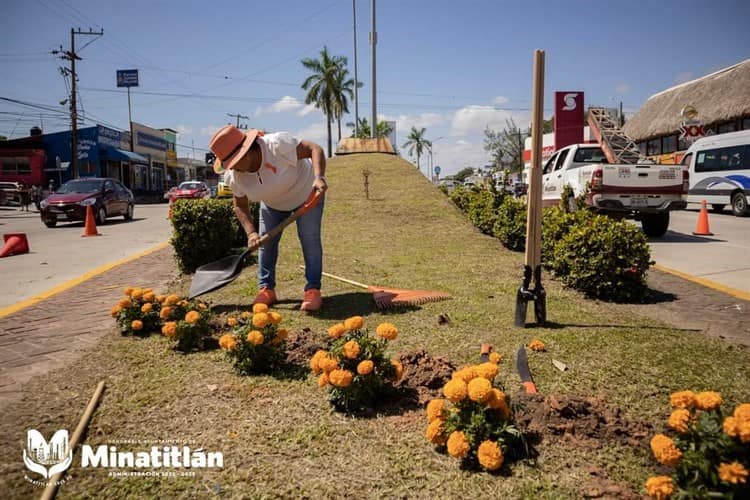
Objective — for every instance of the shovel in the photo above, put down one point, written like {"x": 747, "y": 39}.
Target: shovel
{"x": 216, "y": 274}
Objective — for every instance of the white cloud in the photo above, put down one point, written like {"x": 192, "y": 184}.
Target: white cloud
{"x": 283, "y": 105}
{"x": 210, "y": 130}
{"x": 623, "y": 88}
{"x": 306, "y": 110}
{"x": 500, "y": 100}
{"x": 474, "y": 119}
{"x": 184, "y": 130}
{"x": 683, "y": 77}
{"x": 316, "y": 132}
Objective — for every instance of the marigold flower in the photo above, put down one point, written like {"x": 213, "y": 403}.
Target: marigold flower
{"x": 147, "y": 308}
{"x": 124, "y": 303}
{"x": 232, "y": 321}
{"x": 260, "y": 308}
{"x": 660, "y": 487}
{"x": 328, "y": 363}
{"x": 161, "y": 298}
{"x": 169, "y": 329}
{"x": 315, "y": 361}
{"x": 365, "y": 367}
{"x": 435, "y": 409}
{"x": 436, "y": 432}
{"x": 490, "y": 455}
{"x": 730, "y": 427}
{"x": 487, "y": 370}
{"x": 202, "y": 306}
{"x": 341, "y": 378}
{"x": 734, "y": 473}
{"x": 458, "y": 445}
{"x": 282, "y": 333}
{"x": 682, "y": 399}
{"x": 351, "y": 349}
{"x": 192, "y": 317}
{"x": 183, "y": 303}
{"x": 386, "y": 331}
{"x": 165, "y": 313}
{"x": 679, "y": 420}
{"x": 255, "y": 337}
{"x": 172, "y": 300}
{"x": 354, "y": 323}
{"x": 260, "y": 320}
{"x": 665, "y": 451}
{"x": 708, "y": 400}
{"x": 274, "y": 317}
{"x": 337, "y": 331}
{"x": 467, "y": 374}
{"x": 536, "y": 345}
{"x": 497, "y": 401}
{"x": 323, "y": 380}
{"x": 479, "y": 389}
{"x": 495, "y": 358}
{"x": 743, "y": 431}
{"x": 136, "y": 325}
{"x": 246, "y": 315}
{"x": 227, "y": 342}
{"x": 128, "y": 290}
{"x": 742, "y": 412}
{"x": 455, "y": 390}
{"x": 115, "y": 311}
{"x": 399, "y": 369}
{"x": 136, "y": 293}
{"x": 149, "y": 296}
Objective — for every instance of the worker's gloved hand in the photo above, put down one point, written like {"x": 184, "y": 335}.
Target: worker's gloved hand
{"x": 253, "y": 241}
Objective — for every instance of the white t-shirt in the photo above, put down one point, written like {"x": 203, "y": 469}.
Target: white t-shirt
{"x": 283, "y": 182}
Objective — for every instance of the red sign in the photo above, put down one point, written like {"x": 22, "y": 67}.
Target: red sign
{"x": 568, "y": 118}
{"x": 692, "y": 130}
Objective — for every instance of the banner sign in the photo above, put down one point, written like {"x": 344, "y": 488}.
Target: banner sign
{"x": 127, "y": 77}
{"x": 568, "y": 118}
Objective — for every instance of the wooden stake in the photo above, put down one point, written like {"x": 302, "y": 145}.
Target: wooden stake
{"x": 534, "y": 199}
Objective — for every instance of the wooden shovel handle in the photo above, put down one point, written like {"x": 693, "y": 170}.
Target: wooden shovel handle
{"x": 312, "y": 200}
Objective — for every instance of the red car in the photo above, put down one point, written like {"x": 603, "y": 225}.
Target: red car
{"x": 108, "y": 197}
{"x": 190, "y": 189}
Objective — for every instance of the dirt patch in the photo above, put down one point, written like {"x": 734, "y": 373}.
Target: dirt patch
{"x": 586, "y": 422}
{"x": 598, "y": 485}
{"x": 425, "y": 375}
{"x": 300, "y": 346}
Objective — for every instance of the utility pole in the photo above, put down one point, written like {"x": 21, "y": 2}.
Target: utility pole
{"x": 71, "y": 56}
{"x": 238, "y": 116}
{"x": 373, "y": 43}
{"x": 356, "y": 79}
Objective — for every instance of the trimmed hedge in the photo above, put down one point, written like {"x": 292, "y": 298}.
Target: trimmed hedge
{"x": 206, "y": 230}
{"x": 510, "y": 224}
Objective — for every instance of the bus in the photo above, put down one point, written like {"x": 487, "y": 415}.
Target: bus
{"x": 719, "y": 168}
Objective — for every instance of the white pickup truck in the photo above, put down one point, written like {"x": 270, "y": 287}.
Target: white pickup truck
{"x": 645, "y": 192}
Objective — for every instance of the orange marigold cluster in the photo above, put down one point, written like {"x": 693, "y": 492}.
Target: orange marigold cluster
{"x": 490, "y": 455}
{"x": 665, "y": 451}
{"x": 682, "y": 399}
{"x": 660, "y": 487}
{"x": 387, "y": 331}
{"x": 708, "y": 400}
{"x": 193, "y": 317}
{"x": 536, "y": 345}
{"x": 354, "y": 323}
{"x": 227, "y": 342}
{"x": 733, "y": 473}
{"x": 169, "y": 329}
{"x": 458, "y": 445}
{"x": 679, "y": 420}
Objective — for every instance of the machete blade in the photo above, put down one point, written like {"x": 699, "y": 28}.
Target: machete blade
{"x": 522, "y": 365}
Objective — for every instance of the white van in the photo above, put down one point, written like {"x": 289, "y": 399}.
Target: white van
{"x": 719, "y": 167}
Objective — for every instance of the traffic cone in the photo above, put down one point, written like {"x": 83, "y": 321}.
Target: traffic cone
{"x": 15, "y": 244}
{"x": 701, "y": 229}
{"x": 90, "y": 228}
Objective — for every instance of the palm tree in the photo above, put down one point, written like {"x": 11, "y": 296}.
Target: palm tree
{"x": 383, "y": 130}
{"x": 417, "y": 142}
{"x": 344, "y": 87}
{"x": 323, "y": 87}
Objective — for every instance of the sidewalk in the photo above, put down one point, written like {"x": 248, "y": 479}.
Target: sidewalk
{"x": 58, "y": 329}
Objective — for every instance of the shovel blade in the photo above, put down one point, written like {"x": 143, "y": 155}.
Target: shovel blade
{"x": 216, "y": 274}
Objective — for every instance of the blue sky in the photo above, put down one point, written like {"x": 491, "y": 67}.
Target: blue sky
{"x": 452, "y": 67}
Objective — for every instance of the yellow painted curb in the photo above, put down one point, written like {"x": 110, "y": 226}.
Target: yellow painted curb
{"x": 707, "y": 283}
{"x": 5, "y": 311}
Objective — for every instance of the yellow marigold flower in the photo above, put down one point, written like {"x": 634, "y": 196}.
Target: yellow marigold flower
{"x": 161, "y": 299}
{"x": 260, "y": 308}
{"x": 274, "y": 317}
{"x": 124, "y": 303}
{"x": 115, "y": 311}
{"x": 495, "y": 358}
{"x": 480, "y": 389}
{"x": 128, "y": 290}
{"x": 743, "y": 431}
{"x": 387, "y": 331}
{"x": 679, "y": 420}
{"x": 341, "y": 378}
{"x": 227, "y": 342}
{"x": 455, "y": 390}
{"x": 169, "y": 329}
{"x": 682, "y": 399}
{"x": 246, "y": 315}
{"x": 458, "y": 445}
{"x": 255, "y": 337}
{"x": 730, "y": 427}
{"x": 536, "y": 345}
{"x": 328, "y": 363}
{"x": 202, "y": 306}
{"x": 147, "y": 308}
{"x": 193, "y": 317}
{"x": 665, "y": 451}
{"x": 660, "y": 487}
{"x": 136, "y": 293}
{"x": 149, "y": 296}
{"x": 260, "y": 320}
{"x": 232, "y": 321}
{"x": 315, "y": 361}
{"x": 435, "y": 410}
{"x": 399, "y": 369}
{"x": 165, "y": 313}
{"x": 282, "y": 333}
{"x": 136, "y": 324}
{"x": 436, "y": 432}
{"x": 183, "y": 303}
{"x": 497, "y": 401}
{"x": 172, "y": 300}
{"x": 467, "y": 374}
{"x": 742, "y": 412}
{"x": 323, "y": 380}
{"x": 337, "y": 331}
{"x": 486, "y": 370}
{"x": 734, "y": 473}
{"x": 708, "y": 400}
{"x": 490, "y": 455}
{"x": 365, "y": 367}
{"x": 351, "y": 349}
{"x": 148, "y": 290}
{"x": 354, "y": 323}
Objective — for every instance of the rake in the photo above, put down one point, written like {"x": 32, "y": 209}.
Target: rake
{"x": 391, "y": 297}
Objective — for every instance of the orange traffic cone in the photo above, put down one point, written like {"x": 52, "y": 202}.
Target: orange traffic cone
{"x": 701, "y": 229}
{"x": 90, "y": 228}
{"x": 15, "y": 244}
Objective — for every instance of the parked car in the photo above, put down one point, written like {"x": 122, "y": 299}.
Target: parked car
{"x": 191, "y": 189}
{"x": 222, "y": 189}
{"x": 10, "y": 193}
{"x": 108, "y": 197}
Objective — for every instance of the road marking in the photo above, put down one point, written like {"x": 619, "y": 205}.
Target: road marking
{"x": 5, "y": 311}
{"x": 707, "y": 283}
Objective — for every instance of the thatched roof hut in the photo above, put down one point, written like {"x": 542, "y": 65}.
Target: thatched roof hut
{"x": 718, "y": 97}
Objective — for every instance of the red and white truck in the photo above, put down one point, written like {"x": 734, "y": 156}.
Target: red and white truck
{"x": 641, "y": 191}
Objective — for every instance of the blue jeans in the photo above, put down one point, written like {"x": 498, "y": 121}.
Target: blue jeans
{"x": 308, "y": 230}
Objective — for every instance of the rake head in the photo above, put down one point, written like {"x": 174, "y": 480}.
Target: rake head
{"x": 392, "y": 297}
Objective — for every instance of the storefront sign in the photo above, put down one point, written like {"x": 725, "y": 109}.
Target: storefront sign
{"x": 127, "y": 77}
{"x": 568, "y": 118}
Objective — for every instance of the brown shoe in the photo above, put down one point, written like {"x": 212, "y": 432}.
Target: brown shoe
{"x": 266, "y": 296}
{"x": 312, "y": 301}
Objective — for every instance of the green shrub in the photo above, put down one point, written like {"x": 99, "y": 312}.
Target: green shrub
{"x": 510, "y": 224}
{"x": 605, "y": 259}
{"x": 461, "y": 197}
{"x": 206, "y": 230}
{"x": 556, "y": 224}
{"x": 483, "y": 209}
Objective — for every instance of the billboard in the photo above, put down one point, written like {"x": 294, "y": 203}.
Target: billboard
{"x": 568, "y": 118}
{"x": 127, "y": 77}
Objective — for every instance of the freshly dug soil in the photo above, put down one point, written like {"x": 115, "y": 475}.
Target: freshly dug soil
{"x": 424, "y": 375}
{"x": 301, "y": 346}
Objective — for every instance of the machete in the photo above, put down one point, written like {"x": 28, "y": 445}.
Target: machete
{"x": 522, "y": 365}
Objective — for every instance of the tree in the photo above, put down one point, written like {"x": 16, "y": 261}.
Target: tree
{"x": 364, "y": 128}
{"x": 323, "y": 88}
{"x": 463, "y": 174}
{"x": 506, "y": 147}
{"x": 344, "y": 88}
{"x": 417, "y": 142}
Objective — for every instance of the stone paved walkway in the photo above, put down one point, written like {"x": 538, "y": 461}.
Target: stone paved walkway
{"x": 59, "y": 329}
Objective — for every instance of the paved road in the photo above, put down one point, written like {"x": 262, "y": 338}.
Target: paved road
{"x": 60, "y": 254}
